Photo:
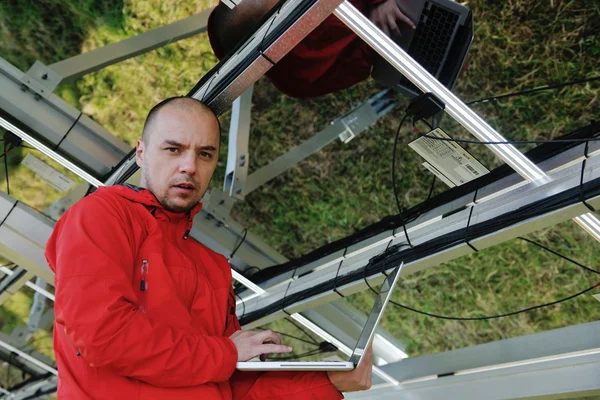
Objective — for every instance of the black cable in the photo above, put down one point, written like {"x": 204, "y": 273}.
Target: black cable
{"x": 396, "y": 196}
{"x": 505, "y": 314}
{"x": 394, "y": 163}
{"x": 530, "y": 91}
{"x": 499, "y": 315}
{"x": 431, "y": 187}
{"x": 239, "y": 244}
{"x": 261, "y": 47}
{"x": 560, "y": 255}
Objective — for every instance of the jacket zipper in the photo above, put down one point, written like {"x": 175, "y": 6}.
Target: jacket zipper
{"x": 144, "y": 285}
{"x": 185, "y": 237}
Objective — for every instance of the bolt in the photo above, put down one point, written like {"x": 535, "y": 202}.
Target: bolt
{"x": 238, "y": 191}
{"x": 243, "y": 157}
{"x": 242, "y": 163}
{"x": 37, "y": 97}
{"x": 221, "y": 202}
{"x": 44, "y": 76}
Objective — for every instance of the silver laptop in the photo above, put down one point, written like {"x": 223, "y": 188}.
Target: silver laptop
{"x": 364, "y": 339}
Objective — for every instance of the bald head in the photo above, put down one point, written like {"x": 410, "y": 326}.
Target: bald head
{"x": 184, "y": 104}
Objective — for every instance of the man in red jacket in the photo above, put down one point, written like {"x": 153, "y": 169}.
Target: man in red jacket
{"x": 328, "y": 59}
{"x": 143, "y": 311}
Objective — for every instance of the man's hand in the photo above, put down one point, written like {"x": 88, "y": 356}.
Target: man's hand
{"x": 386, "y": 16}
{"x": 357, "y": 379}
{"x": 250, "y": 344}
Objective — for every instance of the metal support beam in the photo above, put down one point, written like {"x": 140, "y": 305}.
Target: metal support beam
{"x": 418, "y": 75}
{"x": 345, "y": 128}
{"x": 61, "y": 131}
{"x": 37, "y": 308}
{"x": 34, "y": 390}
{"x": 113, "y": 53}
{"x": 356, "y": 257}
{"x": 35, "y": 363}
{"x": 237, "y": 155}
{"x": 12, "y": 283}
{"x": 23, "y": 236}
{"x": 553, "y": 364}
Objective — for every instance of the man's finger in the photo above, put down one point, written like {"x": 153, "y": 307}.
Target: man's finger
{"x": 393, "y": 25}
{"x": 266, "y": 336}
{"x": 400, "y": 15}
{"x": 275, "y": 339}
{"x": 274, "y": 348}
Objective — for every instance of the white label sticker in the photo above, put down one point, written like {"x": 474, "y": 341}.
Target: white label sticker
{"x": 448, "y": 159}
{"x": 47, "y": 173}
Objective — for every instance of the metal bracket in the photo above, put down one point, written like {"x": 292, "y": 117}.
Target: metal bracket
{"x": 218, "y": 204}
{"x": 237, "y": 156}
{"x": 366, "y": 114}
{"x": 41, "y": 80}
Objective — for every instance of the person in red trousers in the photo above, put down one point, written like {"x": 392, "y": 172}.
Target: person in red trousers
{"x": 328, "y": 59}
{"x": 142, "y": 310}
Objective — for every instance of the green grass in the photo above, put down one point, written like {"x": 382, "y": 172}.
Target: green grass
{"x": 518, "y": 45}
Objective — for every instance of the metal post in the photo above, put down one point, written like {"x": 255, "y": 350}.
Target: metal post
{"x": 237, "y": 155}
{"x": 418, "y": 75}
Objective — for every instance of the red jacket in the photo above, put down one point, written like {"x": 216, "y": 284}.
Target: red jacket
{"x": 113, "y": 340}
{"x": 328, "y": 59}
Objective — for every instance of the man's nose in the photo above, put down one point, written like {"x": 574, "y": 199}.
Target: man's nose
{"x": 187, "y": 163}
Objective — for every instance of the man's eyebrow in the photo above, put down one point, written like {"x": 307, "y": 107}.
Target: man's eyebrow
{"x": 211, "y": 148}
{"x": 173, "y": 143}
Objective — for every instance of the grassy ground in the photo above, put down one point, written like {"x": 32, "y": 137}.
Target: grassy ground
{"x": 518, "y": 45}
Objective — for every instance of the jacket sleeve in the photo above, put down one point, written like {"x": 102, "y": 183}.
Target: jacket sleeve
{"x": 288, "y": 385}
{"x": 93, "y": 248}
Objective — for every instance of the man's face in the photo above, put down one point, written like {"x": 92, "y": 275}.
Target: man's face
{"x": 179, "y": 156}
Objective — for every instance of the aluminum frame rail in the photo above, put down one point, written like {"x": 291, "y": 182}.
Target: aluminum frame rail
{"x": 486, "y": 193}
{"x": 11, "y": 281}
{"x": 33, "y": 363}
{"x": 56, "y": 128}
{"x": 553, "y": 364}
{"x": 94, "y": 60}
{"x": 423, "y": 230}
{"x": 455, "y": 107}
{"x": 34, "y": 390}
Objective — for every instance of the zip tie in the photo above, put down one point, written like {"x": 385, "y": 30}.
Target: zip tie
{"x": 581, "y": 193}
{"x": 335, "y": 280}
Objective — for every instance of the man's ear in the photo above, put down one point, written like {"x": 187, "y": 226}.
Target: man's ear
{"x": 139, "y": 153}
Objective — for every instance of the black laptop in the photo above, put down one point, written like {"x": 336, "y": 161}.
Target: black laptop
{"x": 440, "y": 43}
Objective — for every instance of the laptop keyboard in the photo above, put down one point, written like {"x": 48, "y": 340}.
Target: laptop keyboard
{"x": 432, "y": 36}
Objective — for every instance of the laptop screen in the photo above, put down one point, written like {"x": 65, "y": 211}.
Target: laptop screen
{"x": 381, "y": 301}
